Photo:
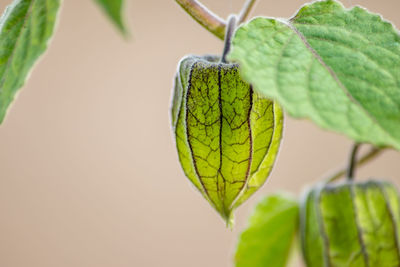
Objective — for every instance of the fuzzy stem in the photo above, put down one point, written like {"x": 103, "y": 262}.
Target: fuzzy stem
{"x": 228, "y": 37}
{"x": 204, "y": 17}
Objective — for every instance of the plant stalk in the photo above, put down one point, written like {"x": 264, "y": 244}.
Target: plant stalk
{"x": 244, "y": 14}
{"x": 372, "y": 154}
{"x": 228, "y": 37}
{"x": 209, "y": 20}
{"x": 352, "y": 161}
{"x": 204, "y": 17}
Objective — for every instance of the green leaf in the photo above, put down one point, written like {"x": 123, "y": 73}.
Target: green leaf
{"x": 338, "y": 67}
{"x": 227, "y": 136}
{"x": 114, "y": 9}
{"x": 268, "y": 239}
{"x": 25, "y": 29}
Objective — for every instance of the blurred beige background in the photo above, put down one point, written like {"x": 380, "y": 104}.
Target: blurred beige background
{"x": 89, "y": 175}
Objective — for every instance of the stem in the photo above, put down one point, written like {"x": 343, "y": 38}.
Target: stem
{"x": 228, "y": 36}
{"x": 204, "y": 17}
{"x": 373, "y": 153}
{"x": 209, "y": 20}
{"x": 248, "y": 6}
{"x": 352, "y": 162}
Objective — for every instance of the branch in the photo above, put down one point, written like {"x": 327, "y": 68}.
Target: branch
{"x": 352, "y": 162}
{"x": 204, "y": 17}
{"x": 373, "y": 153}
{"x": 209, "y": 20}
{"x": 246, "y": 10}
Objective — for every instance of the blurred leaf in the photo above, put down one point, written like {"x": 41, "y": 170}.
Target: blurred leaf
{"x": 114, "y": 9}
{"x": 25, "y": 29}
{"x": 338, "y": 67}
{"x": 268, "y": 239}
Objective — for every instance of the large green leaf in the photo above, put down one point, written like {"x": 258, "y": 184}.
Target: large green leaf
{"x": 113, "y": 9}
{"x": 338, "y": 67}
{"x": 268, "y": 239}
{"x": 25, "y": 29}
